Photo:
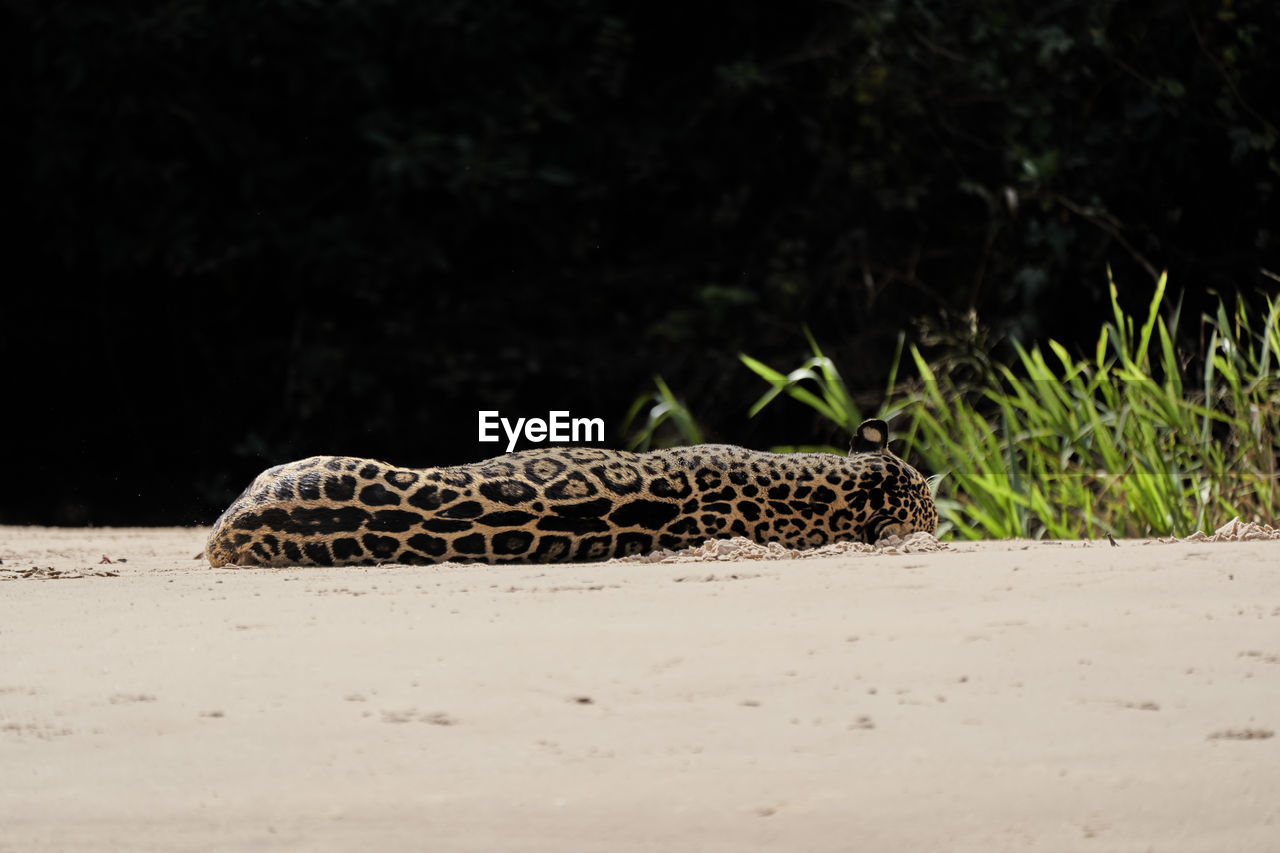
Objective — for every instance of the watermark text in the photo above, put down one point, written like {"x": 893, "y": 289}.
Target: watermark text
{"x": 558, "y": 426}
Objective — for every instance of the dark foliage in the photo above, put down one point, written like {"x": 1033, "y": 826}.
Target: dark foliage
{"x": 248, "y": 232}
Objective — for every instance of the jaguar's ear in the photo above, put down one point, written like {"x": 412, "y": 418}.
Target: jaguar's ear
{"x": 872, "y": 437}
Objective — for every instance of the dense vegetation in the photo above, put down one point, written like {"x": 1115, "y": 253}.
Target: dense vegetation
{"x": 253, "y": 231}
{"x": 1139, "y": 439}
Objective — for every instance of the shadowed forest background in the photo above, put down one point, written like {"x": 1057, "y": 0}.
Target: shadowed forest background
{"x": 243, "y": 233}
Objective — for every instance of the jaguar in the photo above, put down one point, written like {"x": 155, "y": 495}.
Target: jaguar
{"x": 569, "y": 504}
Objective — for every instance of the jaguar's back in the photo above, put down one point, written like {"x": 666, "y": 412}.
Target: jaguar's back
{"x": 565, "y": 504}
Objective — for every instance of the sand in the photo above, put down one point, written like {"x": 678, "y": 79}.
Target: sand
{"x": 1001, "y": 696}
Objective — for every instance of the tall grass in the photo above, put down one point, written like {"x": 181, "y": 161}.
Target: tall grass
{"x": 1132, "y": 441}
{"x": 662, "y": 411}
{"x": 1121, "y": 444}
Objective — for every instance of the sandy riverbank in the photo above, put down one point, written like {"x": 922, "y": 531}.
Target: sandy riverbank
{"x": 1002, "y": 696}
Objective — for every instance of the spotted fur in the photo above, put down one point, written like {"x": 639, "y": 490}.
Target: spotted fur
{"x": 569, "y": 504}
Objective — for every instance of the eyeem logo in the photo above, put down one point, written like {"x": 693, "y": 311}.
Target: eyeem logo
{"x": 557, "y": 427}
